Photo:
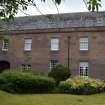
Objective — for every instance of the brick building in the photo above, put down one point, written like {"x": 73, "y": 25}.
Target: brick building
{"x": 74, "y": 39}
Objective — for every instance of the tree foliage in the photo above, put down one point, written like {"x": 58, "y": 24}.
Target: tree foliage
{"x": 59, "y": 72}
{"x": 9, "y": 8}
{"x": 93, "y": 5}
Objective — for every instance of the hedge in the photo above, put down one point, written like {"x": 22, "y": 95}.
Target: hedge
{"x": 17, "y": 82}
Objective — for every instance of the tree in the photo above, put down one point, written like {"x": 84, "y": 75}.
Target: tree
{"x": 9, "y": 8}
{"x": 59, "y": 72}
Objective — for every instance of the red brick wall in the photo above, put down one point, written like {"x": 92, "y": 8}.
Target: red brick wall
{"x": 41, "y": 54}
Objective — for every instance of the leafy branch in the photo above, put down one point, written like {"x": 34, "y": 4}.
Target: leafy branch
{"x": 9, "y": 8}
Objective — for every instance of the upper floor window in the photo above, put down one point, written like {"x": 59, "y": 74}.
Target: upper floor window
{"x": 54, "y": 44}
{"x": 53, "y": 63}
{"x": 5, "y": 45}
{"x": 83, "y": 44}
{"x": 28, "y": 45}
{"x": 83, "y": 67}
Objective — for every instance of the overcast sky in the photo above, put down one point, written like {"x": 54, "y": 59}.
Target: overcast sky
{"x": 66, "y": 6}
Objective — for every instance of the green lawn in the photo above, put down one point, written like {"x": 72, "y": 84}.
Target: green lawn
{"x": 51, "y": 99}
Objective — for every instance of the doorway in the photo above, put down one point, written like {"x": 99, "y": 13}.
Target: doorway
{"x": 4, "y": 65}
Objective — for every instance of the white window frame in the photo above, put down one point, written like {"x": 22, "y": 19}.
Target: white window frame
{"x": 83, "y": 68}
{"x": 84, "y": 44}
{"x": 26, "y": 67}
{"x": 28, "y": 44}
{"x": 53, "y": 62}
{"x": 5, "y": 45}
{"x": 54, "y": 44}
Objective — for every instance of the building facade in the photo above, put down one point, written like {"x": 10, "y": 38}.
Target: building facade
{"x": 75, "y": 39}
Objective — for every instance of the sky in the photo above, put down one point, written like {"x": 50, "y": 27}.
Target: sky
{"x": 67, "y": 6}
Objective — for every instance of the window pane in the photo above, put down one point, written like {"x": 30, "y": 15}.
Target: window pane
{"x": 5, "y": 45}
{"x": 28, "y": 40}
{"x": 28, "y": 44}
{"x": 53, "y": 63}
{"x": 83, "y": 68}
{"x": 26, "y": 67}
{"x": 54, "y": 44}
{"x": 83, "y": 43}
{"x": 83, "y": 39}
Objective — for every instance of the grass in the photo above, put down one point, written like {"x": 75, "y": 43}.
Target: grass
{"x": 51, "y": 99}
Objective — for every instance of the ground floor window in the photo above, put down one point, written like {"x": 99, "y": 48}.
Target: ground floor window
{"x": 53, "y": 63}
{"x": 26, "y": 67}
{"x": 83, "y": 68}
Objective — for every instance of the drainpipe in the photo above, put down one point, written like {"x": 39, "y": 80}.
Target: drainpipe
{"x": 68, "y": 51}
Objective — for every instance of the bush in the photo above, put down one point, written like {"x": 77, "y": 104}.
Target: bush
{"x": 34, "y": 72}
{"x": 59, "y": 73}
{"x": 17, "y": 82}
{"x": 81, "y": 85}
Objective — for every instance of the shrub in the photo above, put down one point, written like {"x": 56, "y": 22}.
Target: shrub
{"x": 59, "y": 73}
{"x": 34, "y": 72}
{"x": 81, "y": 85}
{"x": 17, "y": 82}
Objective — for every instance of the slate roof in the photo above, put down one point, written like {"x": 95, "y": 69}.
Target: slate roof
{"x": 67, "y": 20}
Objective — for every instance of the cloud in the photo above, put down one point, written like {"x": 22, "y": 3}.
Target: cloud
{"x": 66, "y": 6}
